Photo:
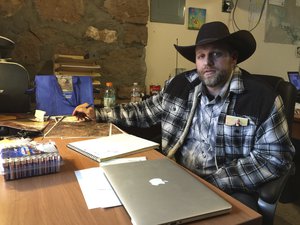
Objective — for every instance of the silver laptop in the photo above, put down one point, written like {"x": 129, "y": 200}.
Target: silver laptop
{"x": 161, "y": 192}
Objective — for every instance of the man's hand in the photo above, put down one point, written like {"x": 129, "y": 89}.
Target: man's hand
{"x": 84, "y": 112}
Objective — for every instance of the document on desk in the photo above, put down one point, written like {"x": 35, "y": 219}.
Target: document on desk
{"x": 96, "y": 189}
{"x": 113, "y": 146}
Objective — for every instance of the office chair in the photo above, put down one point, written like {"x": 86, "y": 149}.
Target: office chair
{"x": 272, "y": 192}
{"x": 14, "y": 82}
{"x": 6, "y": 47}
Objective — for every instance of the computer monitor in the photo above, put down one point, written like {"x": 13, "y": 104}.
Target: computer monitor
{"x": 294, "y": 79}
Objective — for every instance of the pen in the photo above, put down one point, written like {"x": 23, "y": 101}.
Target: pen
{"x": 89, "y": 105}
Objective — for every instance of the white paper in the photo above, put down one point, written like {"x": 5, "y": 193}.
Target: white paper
{"x": 96, "y": 189}
{"x": 39, "y": 115}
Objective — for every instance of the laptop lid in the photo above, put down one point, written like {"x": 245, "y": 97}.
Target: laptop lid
{"x": 294, "y": 79}
{"x": 161, "y": 192}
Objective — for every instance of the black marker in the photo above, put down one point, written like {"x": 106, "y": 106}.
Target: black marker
{"x": 89, "y": 105}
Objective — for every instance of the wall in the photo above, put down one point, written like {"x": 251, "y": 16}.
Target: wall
{"x": 41, "y": 28}
{"x": 112, "y": 32}
{"x": 269, "y": 58}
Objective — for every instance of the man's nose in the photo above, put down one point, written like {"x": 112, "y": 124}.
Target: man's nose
{"x": 209, "y": 60}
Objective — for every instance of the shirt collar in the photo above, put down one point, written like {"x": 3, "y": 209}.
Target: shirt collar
{"x": 236, "y": 84}
{"x": 192, "y": 76}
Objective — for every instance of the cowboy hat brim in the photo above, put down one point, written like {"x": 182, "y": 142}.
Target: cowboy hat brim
{"x": 242, "y": 41}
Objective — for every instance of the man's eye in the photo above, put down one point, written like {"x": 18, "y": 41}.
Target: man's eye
{"x": 217, "y": 54}
{"x": 200, "y": 56}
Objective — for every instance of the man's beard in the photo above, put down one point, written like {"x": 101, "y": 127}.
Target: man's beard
{"x": 218, "y": 79}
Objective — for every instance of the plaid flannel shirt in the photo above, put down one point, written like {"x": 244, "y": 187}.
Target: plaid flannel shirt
{"x": 247, "y": 156}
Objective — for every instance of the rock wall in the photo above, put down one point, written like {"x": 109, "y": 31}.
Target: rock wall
{"x": 113, "y": 32}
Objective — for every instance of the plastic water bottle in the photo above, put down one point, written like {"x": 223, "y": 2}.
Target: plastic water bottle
{"x": 135, "y": 93}
{"x": 109, "y": 99}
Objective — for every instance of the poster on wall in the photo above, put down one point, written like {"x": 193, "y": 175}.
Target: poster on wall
{"x": 196, "y": 18}
{"x": 282, "y": 23}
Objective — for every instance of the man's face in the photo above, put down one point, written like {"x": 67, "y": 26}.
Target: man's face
{"x": 214, "y": 64}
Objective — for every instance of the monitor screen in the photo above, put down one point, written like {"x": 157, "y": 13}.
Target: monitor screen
{"x": 294, "y": 78}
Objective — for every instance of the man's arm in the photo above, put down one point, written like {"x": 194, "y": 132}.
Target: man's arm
{"x": 141, "y": 114}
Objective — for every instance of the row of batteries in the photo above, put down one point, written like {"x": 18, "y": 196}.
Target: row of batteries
{"x": 29, "y": 160}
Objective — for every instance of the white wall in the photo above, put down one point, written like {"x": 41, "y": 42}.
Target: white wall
{"x": 269, "y": 58}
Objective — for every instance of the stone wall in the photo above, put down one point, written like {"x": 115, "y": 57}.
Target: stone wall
{"x": 113, "y": 32}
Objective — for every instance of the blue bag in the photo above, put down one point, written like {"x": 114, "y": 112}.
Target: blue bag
{"x": 55, "y": 99}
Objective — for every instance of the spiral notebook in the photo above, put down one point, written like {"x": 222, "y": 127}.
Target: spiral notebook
{"x": 113, "y": 146}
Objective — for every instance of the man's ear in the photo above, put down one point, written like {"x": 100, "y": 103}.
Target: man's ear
{"x": 235, "y": 56}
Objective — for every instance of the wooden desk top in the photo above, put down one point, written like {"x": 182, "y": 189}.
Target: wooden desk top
{"x": 56, "y": 199}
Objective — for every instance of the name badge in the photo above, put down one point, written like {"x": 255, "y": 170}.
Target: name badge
{"x": 236, "y": 121}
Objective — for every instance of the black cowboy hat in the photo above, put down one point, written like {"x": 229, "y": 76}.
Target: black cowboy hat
{"x": 242, "y": 41}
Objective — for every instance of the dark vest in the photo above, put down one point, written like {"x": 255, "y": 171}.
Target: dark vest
{"x": 256, "y": 101}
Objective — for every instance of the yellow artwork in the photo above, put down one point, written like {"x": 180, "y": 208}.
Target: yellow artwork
{"x": 196, "y": 18}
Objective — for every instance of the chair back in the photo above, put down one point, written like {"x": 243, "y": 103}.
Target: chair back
{"x": 6, "y": 47}
{"x": 14, "y": 82}
{"x": 271, "y": 192}
{"x": 286, "y": 90}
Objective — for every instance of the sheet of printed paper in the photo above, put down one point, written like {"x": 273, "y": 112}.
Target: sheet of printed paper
{"x": 96, "y": 189}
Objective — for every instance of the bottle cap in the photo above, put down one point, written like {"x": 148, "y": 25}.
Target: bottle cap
{"x": 109, "y": 84}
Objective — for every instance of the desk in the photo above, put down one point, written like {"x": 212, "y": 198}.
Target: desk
{"x": 56, "y": 199}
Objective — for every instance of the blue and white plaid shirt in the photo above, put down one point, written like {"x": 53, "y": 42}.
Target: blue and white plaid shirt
{"x": 198, "y": 151}
{"x": 245, "y": 156}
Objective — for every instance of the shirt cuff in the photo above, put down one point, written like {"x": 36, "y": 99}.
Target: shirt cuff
{"x": 216, "y": 180}
{"x": 103, "y": 114}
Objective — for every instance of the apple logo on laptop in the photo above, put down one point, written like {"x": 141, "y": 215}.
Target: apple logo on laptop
{"x": 157, "y": 181}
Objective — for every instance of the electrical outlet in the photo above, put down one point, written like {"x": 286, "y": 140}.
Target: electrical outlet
{"x": 227, "y": 6}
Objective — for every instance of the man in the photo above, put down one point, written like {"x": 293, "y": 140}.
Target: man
{"x": 227, "y": 127}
